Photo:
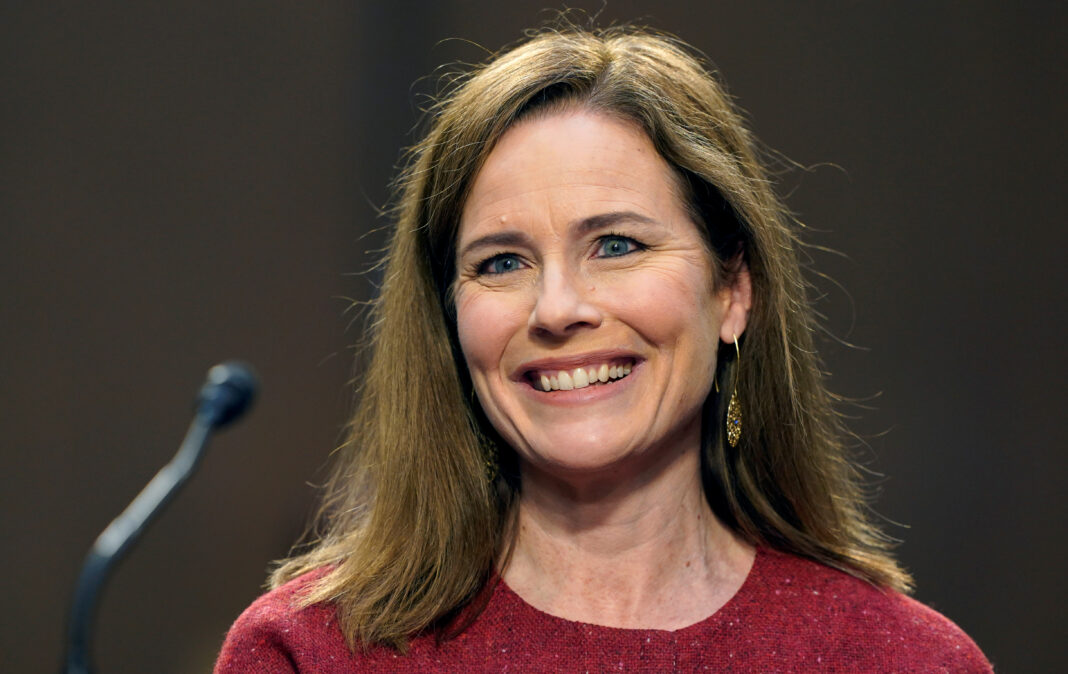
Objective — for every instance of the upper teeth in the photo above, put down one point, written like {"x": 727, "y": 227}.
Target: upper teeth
{"x": 581, "y": 377}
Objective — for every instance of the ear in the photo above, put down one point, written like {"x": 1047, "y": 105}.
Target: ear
{"x": 739, "y": 300}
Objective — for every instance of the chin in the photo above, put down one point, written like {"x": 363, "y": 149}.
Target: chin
{"x": 590, "y": 455}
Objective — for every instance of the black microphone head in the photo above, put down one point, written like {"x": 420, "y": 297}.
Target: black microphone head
{"x": 227, "y": 394}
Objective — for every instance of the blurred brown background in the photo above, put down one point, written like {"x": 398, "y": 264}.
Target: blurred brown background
{"x": 184, "y": 182}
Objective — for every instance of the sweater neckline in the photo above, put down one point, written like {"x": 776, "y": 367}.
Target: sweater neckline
{"x": 747, "y": 588}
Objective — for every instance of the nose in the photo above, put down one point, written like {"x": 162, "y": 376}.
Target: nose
{"x": 564, "y": 303}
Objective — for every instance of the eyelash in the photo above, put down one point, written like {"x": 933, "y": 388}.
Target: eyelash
{"x": 634, "y": 246}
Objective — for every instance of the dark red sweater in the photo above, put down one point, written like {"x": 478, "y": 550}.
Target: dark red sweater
{"x": 790, "y": 615}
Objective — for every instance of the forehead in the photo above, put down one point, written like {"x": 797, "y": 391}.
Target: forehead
{"x": 569, "y": 165}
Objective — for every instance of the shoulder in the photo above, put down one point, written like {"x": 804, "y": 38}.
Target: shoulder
{"x": 276, "y": 634}
{"x": 852, "y": 621}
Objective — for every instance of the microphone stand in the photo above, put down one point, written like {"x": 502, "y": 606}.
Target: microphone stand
{"x": 227, "y": 394}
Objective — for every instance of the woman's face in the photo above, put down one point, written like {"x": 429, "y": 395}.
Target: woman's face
{"x": 580, "y": 272}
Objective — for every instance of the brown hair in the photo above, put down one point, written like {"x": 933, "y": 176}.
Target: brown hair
{"x": 412, "y": 521}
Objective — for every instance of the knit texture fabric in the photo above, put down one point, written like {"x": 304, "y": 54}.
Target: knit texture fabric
{"x": 790, "y": 615}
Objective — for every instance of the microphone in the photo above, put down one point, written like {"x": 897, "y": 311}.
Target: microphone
{"x": 226, "y": 395}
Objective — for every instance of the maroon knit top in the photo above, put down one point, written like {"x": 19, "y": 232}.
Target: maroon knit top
{"x": 790, "y": 614}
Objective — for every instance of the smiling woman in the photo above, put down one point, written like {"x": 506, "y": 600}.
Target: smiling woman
{"x": 562, "y": 191}
{"x": 593, "y": 430}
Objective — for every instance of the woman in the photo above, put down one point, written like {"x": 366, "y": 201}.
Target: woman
{"x": 592, "y": 432}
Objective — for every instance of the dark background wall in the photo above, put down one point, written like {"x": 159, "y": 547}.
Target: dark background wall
{"x": 183, "y": 182}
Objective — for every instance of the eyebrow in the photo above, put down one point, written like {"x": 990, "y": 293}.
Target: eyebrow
{"x": 583, "y": 226}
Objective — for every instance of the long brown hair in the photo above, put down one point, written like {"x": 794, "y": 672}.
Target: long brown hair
{"x": 414, "y": 515}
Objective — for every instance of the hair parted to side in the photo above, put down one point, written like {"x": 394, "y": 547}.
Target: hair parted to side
{"x": 411, "y": 526}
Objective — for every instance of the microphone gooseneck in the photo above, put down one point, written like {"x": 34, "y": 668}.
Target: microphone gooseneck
{"x": 226, "y": 395}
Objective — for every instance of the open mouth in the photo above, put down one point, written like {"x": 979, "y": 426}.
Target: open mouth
{"x": 579, "y": 377}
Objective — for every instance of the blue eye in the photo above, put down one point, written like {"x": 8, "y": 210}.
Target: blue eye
{"x": 616, "y": 246}
{"x": 500, "y": 264}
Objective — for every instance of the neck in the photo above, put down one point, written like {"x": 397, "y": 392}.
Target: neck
{"x": 638, "y": 548}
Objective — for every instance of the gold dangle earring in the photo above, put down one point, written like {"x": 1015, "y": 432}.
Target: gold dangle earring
{"x": 489, "y": 459}
{"x": 734, "y": 408}
{"x": 485, "y": 445}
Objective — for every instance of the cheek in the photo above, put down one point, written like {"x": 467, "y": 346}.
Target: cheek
{"x": 670, "y": 304}
{"x": 485, "y": 323}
